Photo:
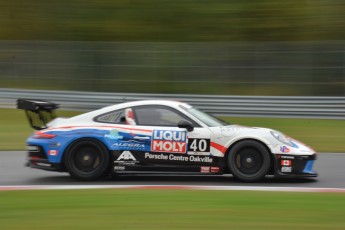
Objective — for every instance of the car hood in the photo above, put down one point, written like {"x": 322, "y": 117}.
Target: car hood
{"x": 231, "y": 130}
{"x": 232, "y": 133}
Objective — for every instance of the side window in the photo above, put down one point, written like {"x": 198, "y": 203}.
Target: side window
{"x": 157, "y": 116}
{"x": 115, "y": 117}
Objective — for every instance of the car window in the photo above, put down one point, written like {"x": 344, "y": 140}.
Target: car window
{"x": 115, "y": 117}
{"x": 158, "y": 116}
{"x": 209, "y": 120}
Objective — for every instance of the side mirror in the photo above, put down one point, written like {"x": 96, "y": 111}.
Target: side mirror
{"x": 185, "y": 124}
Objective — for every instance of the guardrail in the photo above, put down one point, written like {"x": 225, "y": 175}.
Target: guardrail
{"x": 219, "y": 105}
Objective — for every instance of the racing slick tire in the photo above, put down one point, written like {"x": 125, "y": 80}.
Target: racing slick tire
{"x": 249, "y": 161}
{"x": 87, "y": 160}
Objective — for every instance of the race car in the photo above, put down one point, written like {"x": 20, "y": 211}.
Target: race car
{"x": 158, "y": 136}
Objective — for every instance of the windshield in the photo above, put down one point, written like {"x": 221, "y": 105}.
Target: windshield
{"x": 204, "y": 117}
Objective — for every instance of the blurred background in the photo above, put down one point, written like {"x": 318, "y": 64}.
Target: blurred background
{"x": 235, "y": 48}
{"x": 200, "y": 47}
{"x": 175, "y": 46}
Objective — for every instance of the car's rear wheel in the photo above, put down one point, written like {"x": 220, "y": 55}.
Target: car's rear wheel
{"x": 87, "y": 160}
{"x": 249, "y": 161}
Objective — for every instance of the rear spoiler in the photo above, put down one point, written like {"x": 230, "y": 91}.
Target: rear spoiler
{"x": 38, "y": 112}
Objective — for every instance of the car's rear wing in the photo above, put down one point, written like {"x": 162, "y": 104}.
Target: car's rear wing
{"x": 38, "y": 112}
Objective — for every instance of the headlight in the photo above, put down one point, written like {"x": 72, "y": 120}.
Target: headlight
{"x": 281, "y": 138}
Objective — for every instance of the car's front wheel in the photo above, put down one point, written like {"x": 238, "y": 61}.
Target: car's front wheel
{"x": 249, "y": 161}
{"x": 87, "y": 159}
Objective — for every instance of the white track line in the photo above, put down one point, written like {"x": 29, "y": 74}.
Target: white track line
{"x": 173, "y": 187}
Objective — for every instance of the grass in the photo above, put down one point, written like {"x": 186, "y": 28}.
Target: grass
{"x": 322, "y": 135}
{"x": 169, "y": 209}
{"x": 15, "y": 128}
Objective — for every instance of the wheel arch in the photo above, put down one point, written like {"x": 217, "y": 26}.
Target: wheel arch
{"x": 69, "y": 145}
{"x": 272, "y": 165}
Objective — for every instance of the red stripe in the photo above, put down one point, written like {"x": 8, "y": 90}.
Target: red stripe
{"x": 219, "y": 147}
{"x": 178, "y": 187}
{"x": 142, "y": 130}
{"x": 102, "y": 126}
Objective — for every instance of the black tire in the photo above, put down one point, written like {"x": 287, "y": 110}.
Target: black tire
{"x": 249, "y": 161}
{"x": 87, "y": 160}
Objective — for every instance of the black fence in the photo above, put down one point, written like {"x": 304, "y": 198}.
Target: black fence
{"x": 265, "y": 68}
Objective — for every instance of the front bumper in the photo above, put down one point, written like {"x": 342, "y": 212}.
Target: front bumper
{"x": 294, "y": 165}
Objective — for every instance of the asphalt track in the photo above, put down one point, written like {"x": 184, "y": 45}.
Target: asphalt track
{"x": 330, "y": 166}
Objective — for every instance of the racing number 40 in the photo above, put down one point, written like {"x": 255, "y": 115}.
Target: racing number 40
{"x": 199, "y": 145}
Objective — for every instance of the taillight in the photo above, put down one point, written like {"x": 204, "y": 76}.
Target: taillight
{"x": 40, "y": 135}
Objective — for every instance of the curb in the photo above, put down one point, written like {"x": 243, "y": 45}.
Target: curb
{"x": 173, "y": 187}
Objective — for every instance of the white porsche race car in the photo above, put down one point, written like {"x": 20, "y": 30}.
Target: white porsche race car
{"x": 157, "y": 136}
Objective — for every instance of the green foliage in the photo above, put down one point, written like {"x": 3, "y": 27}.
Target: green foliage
{"x": 172, "y": 20}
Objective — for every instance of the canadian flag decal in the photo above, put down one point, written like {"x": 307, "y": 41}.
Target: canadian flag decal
{"x": 285, "y": 162}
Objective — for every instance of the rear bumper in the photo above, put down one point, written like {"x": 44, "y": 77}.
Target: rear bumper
{"x": 292, "y": 166}
{"x": 37, "y": 158}
{"x": 44, "y": 165}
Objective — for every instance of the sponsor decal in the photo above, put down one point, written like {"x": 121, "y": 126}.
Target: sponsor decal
{"x": 215, "y": 169}
{"x": 219, "y": 138}
{"x": 119, "y": 168}
{"x": 294, "y": 144}
{"x": 228, "y": 131}
{"x": 53, "y": 145}
{"x": 286, "y": 169}
{"x": 129, "y": 145}
{"x": 123, "y": 163}
{"x": 198, "y": 145}
{"x": 126, "y": 155}
{"x": 284, "y": 149}
{"x": 114, "y": 135}
{"x": 193, "y": 134}
{"x": 204, "y": 169}
{"x": 285, "y": 162}
{"x": 199, "y": 153}
{"x": 305, "y": 151}
{"x": 52, "y": 152}
{"x": 126, "y": 158}
{"x": 200, "y": 159}
{"x": 286, "y": 157}
{"x": 156, "y": 156}
{"x": 172, "y": 157}
{"x": 169, "y": 141}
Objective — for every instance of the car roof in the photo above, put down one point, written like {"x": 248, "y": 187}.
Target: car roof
{"x": 89, "y": 115}
{"x": 144, "y": 102}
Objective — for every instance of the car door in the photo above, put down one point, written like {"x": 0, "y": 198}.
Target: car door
{"x": 173, "y": 148}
